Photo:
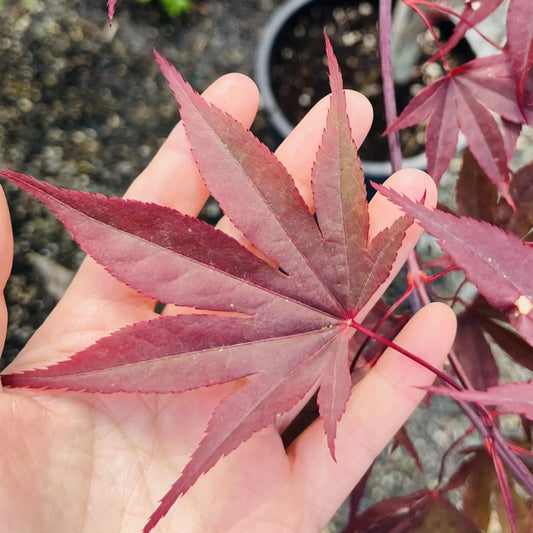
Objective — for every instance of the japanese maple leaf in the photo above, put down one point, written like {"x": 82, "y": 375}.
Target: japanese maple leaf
{"x": 463, "y": 100}
{"x": 497, "y": 262}
{"x": 285, "y": 324}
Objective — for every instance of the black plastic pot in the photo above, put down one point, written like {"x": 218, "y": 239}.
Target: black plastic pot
{"x": 294, "y": 35}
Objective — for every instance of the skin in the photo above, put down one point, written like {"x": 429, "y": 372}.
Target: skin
{"x": 90, "y": 462}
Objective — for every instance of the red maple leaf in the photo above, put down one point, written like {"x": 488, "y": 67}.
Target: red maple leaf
{"x": 496, "y": 261}
{"x": 285, "y": 324}
{"x": 464, "y": 100}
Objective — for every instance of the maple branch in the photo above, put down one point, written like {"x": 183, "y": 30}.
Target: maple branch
{"x": 504, "y": 486}
{"x": 459, "y": 370}
{"x": 385, "y": 24}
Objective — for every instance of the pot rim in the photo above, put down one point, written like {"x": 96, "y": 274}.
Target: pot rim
{"x": 373, "y": 169}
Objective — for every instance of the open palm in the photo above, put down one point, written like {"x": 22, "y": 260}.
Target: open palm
{"x": 93, "y": 462}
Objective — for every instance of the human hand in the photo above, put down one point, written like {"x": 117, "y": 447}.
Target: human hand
{"x": 95, "y": 462}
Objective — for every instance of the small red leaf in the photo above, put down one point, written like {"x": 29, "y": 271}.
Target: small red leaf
{"x": 461, "y": 100}
{"x": 111, "y": 10}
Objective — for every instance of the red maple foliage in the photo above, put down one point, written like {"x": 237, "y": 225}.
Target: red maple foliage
{"x": 305, "y": 301}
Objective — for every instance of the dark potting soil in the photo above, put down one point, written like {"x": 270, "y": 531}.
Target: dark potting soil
{"x": 299, "y": 72}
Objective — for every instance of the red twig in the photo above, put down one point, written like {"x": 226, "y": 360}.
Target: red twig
{"x": 447, "y": 379}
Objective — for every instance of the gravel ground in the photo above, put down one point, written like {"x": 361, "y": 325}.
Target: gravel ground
{"x": 83, "y": 106}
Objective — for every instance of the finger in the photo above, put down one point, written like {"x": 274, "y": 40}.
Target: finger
{"x": 299, "y": 149}
{"x": 379, "y": 405}
{"x": 416, "y": 185}
{"x": 6, "y": 260}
